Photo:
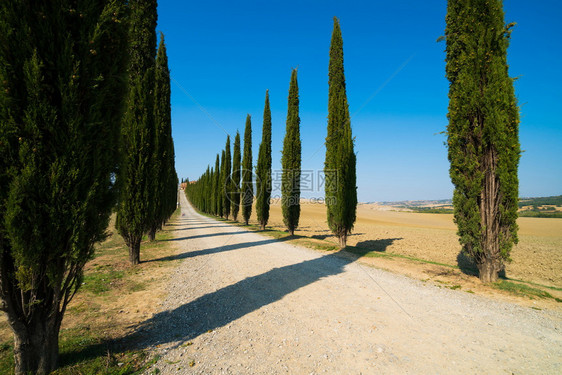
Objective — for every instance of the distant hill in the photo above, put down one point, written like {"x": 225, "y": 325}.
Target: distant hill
{"x": 542, "y": 201}
{"x": 548, "y": 207}
{"x": 412, "y": 204}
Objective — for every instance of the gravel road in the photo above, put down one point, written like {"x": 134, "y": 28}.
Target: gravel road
{"x": 242, "y": 303}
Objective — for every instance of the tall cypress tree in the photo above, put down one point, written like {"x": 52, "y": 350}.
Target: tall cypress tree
{"x": 162, "y": 94}
{"x": 291, "y": 160}
{"x": 62, "y": 90}
{"x": 483, "y": 133}
{"x": 221, "y": 189}
{"x": 136, "y": 175}
{"x": 236, "y": 165}
{"x": 247, "y": 189}
{"x": 207, "y": 190}
{"x": 339, "y": 167}
{"x": 227, "y": 179}
{"x": 263, "y": 169}
{"x": 216, "y": 186}
{"x": 160, "y": 155}
{"x": 211, "y": 194}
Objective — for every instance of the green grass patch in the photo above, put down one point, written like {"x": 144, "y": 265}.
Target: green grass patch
{"x": 82, "y": 352}
{"x": 6, "y": 358}
{"x": 521, "y": 289}
{"x": 100, "y": 281}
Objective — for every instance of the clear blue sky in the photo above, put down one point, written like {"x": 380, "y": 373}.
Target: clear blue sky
{"x": 223, "y": 55}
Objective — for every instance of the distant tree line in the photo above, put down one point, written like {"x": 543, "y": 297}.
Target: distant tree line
{"x": 85, "y": 129}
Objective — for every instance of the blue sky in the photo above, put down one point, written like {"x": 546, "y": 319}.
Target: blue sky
{"x": 223, "y": 55}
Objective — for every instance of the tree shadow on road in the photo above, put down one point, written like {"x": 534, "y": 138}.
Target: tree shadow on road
{"x": 203, "y": 227}
{"x": 204, "y": 236}
{"x": 219, "y": 308}
{"x": 219, "y": 249}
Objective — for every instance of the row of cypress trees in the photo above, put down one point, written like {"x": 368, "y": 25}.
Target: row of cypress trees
{"x": 482, "y": 139}
{"x": 85, "y": 116}
{"x": 219, "y": 182}
{"x": 148, "y": 180}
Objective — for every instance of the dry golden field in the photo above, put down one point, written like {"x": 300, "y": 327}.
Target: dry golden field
{"x": 537, "y": 258}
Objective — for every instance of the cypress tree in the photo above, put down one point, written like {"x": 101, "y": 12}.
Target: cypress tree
{"x": 160, "y": 162}
{"x": 339, "y": 167}
{"x": 227, "y": 179}
{"x": 163, "y": 117}
{"x": 211, "y": 193}
{"x": 236, "y": 164}
{"x": 136, "y": 175}
{"x": 247, "y": 189}
{"x": 483, "y": 140}
{"x": 221, "y": 189}
{"x": 291, "y": 160}
{"x": 216, "y": 187}
{"x": 62, "y": 90}
{"x": 263, "y": 169}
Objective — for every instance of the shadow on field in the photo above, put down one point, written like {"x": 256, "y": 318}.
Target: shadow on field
{"x": 226, "y": 305}
{"x": 330, "y": 234}
{"x": 379, "y": 246}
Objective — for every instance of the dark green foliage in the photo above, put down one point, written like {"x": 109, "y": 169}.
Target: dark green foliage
{"x": 227, "y": 179}
{"x": 291, "y": 160}
{"x": 236, "y": 165}
{"x": 263, "y": 169}
{"x": 216, "y": 188}
{"x": 136, "y": 175}
{"x": 483, "y": 143}
{"x": 165, "y": 179}
{"x": 339, "y": 168}
{"x": 199, "y": 192}
{"x": 221, "y": 190}
{"x": 62, "y": 85}
{"x": 247, "y": 189}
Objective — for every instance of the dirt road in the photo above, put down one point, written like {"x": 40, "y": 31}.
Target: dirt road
{"x": 242, "y": 303}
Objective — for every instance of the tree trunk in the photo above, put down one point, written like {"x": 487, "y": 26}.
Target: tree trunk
{"x": 152, "y": 234}
{"x": 343, "y": 241}
{"x": 488, "y": 271}
{"x": 134, "y": 252}
{"x": 262, "y": 226}
{"x": 36, "y": 347}
{"x": 490, "y": 261}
